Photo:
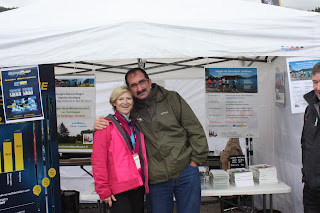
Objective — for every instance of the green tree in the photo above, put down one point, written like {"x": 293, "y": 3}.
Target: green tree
{"x": 317, "y": 9}
{"x": 2, "y": 9}
{"x": 63, "y": 130}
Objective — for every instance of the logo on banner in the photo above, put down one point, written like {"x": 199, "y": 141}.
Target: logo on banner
{"x": 292, "y": 48}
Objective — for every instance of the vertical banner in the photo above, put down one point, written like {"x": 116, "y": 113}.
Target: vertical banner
{"x": 300, "y": 81}
{"x": 29, "y": 159}
{"x": 232, "y": 102}
{"x": 279, "y": 88}
{"x": 76, "y": 97}
{"x": 21, "y": 94}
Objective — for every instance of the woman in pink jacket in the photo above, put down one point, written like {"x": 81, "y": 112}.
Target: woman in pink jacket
{"x": 119, "y": 159}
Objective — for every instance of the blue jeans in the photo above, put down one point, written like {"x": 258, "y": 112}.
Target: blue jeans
{"x": 186, "y": 189}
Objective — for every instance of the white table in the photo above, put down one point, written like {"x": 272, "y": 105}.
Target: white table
{"x": 267, "y": 189}
{"x": 248, "y": 190}
{"x": 264, "y": 189}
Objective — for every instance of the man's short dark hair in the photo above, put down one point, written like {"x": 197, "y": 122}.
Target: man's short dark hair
{"x": 316, "y": 68}
{"x": 135, "y": 70}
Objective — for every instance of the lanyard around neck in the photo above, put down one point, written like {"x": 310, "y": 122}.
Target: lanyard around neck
{"x": 127, "y": 134}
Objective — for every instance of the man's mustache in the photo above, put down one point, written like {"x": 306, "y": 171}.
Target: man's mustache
{"x": 139, "y": 92}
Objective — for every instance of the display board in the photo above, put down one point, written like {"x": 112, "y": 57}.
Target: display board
{"x": 29, "y": 159}
{"x": 232, "y": 102}
{"x": 76, "y": 107}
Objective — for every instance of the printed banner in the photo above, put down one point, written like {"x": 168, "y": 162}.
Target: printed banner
{"x": 300, "y": 81}
{"x": 76, "y": 97}
{"x": 21, "y": 94}
{"x": 232, "y": 102}
{"x": 29, "y": 159}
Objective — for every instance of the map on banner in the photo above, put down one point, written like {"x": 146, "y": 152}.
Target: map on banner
{"x": 232, "y": 102}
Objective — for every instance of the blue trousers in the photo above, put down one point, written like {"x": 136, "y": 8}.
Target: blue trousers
{"x": 185, "y": 188}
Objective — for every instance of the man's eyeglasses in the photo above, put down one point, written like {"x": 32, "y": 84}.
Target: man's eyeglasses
{"x": 141, "y": 83}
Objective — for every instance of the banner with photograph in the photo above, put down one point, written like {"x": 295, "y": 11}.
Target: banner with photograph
{"x": 232, "y": 102}
{"x": 21, "y": 94}
{"x": 300, "y": 81}
{"x": 76, "y": 97}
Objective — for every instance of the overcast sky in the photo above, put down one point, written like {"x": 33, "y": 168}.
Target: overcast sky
{"x": 296, "y": 4}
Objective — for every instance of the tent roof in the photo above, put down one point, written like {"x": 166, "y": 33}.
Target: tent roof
{"x": 78, "y": 30}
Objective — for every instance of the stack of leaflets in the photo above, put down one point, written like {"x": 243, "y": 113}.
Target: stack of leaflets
{"x": 219, "y": 179}
{"x": 264, "y": 173}
{"x": 241, "y": 177}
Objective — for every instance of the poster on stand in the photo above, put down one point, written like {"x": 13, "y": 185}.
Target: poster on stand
{"x": 232, "y": 102}
{"x": 21, "y": 94}
{"x": 279, "y": 88}
{"x": 29, "y": 159}
{"x": 76, "y": 97}
{"x": 300, "y": 81}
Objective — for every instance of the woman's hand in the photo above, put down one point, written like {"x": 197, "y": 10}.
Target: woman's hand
{"x": 100, "y": 123}
{"x": 109, "y": 200}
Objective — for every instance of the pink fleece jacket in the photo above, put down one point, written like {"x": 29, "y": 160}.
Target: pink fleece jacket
{"x": 114, "y": 169}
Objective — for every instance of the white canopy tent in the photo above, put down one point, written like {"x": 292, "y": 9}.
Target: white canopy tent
{"x": 79, "y": 30}
{"x": 109, "y": 36}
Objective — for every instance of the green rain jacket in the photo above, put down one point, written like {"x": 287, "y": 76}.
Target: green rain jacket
{"x": 173, "y": 134}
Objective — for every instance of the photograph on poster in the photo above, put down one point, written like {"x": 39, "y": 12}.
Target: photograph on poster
{"x": 300, "y": 83}
{"x": 231, "y": 80}
{"x": 21, "y": 94}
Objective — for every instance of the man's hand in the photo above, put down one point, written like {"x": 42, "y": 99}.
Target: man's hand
{"x": 100, "y": 123}
{"x": 109, "y": 200}
{"x": 192, "y": 163}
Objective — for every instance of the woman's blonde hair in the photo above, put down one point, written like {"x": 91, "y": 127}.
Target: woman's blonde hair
{"x": 116, "y": 93}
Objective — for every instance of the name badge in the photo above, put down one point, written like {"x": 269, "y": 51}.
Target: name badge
{"x": 136, "y": 160}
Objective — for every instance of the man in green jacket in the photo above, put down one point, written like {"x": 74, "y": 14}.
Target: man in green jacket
{"x": 175, "y": 141}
